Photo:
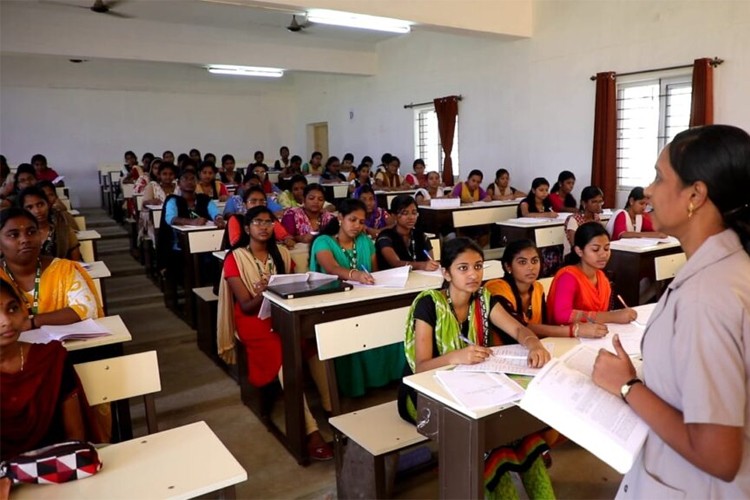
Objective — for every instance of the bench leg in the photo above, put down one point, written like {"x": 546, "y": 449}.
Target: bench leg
{"x": 360, "y": 474}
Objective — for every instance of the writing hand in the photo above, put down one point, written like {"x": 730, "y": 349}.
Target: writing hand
{"x": 592, "y": 330}
{"x": 538, "y": 356}
{"x": 471, "y": 355}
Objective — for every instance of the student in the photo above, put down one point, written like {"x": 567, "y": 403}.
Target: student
{"x": 417, "y": 179}
{"x": 347, "y": 167}
{"x": 157, "y": 191}
{"x": 210, "y": 157}
{"x": 43, "y": 172}
{"x": 592, "y": 200}
{"x": 501, "y": 188}
{"x": 65, "y": 293}
{"x": 58, "y": 238}
{"x": 581, "y": 290}
{"x": 523, "y": 296}
{"x": 150, "y": 175}
{"x": 167, "y": 156}
{"x": 633, "y": 221}
{"x": 283, "y": 162}
{"x": 389, "y": 179}
{"x": 362, "y": 178}
{"x": 404, "y": 244}
{"x": 251, "y": 198}
{"x": 385, "y": 159}
{"x": 55, "y": 204}
{"x": 208, "y": 185}
{"x": 295, "y": 195}
{"x": 262, "y": 172}
{"x": 146, "y": 160}
{"x": 331, "y": 171}
{"x": 6, "y": 179}
{"x": 294, "y": 168}
{"x": 695, "y": 391}
{"x": 181, "y": 159}
{"x": 433, "y": 189}
{"x": 196, "y": 156}
{"x": 537, "y": 203}
{"x": 24, "y": 177}
{"x": 470, "y": 190}
{"x": 367, "y": 160}
{"x": 259, "y": 158}
{"x": 236, "y": 204}
{"x": 376, "y": 218}
{"x": 314, "y": 167}
{"x": 130, "y": 170}
{"x": 561, "y": 198}
{"x": 228, "y": 174}
{"x": 437, "y": 321}
{"x": 304, "y": 222}
{"x": 343, "y": 249}
{"x": 40, "y": 394}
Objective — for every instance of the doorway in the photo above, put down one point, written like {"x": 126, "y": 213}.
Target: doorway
{"x": 317, "y": 138}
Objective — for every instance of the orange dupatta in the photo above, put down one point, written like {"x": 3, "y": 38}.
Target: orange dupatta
{"x": 588, "y": 297}
{"x": 502, "y": 288}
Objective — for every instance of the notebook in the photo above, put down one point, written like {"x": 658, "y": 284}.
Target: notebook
{"x": 308, "y": 288}
{"x": 85, "y": 329}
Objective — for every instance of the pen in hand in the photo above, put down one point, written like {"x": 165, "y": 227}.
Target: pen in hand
{"x": 427, "y": 254}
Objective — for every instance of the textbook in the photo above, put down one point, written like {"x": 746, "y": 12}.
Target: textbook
{"x": 85, "y": 329}
{"x": 511, "y": 359}
{"x": 476, "y": 390}
{"x": 564, "y": 396}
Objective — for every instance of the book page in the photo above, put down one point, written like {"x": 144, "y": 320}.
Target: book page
{"x": 83, "y": 329}
{"x": 513, "y": 359}
{"x": 36, "y": 336}
{"x": 476, "y": 391}
{"x": 630, "y": 334}
{"x": 390, "y": 278}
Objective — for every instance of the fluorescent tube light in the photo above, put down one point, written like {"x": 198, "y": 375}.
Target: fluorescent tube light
{"x": 351, "y": 20}
{"x": 228, "y": 69}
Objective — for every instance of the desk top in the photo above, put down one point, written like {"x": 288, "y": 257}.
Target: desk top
{"x": 88, "y": 234}
{"x": 74, "y": 212}
{"x": 546, "y": 222}
{"x": 114, "y": 324}
{"x": 97, "y": 270}
{"x": 184, "y": 462}
{"x": 475, "y": 205}
{"x": 209, "y": 226}
{"x": 650, "y": 245}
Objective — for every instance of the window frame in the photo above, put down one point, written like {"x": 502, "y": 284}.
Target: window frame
{"x": 420, "y": 148}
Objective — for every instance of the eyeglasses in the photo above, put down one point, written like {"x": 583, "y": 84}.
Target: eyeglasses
{"x": 261, "y": 222}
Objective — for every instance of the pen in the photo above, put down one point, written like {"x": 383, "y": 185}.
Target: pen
{"x": 622, "y": 301}
{"x": 364, "y": 270}
{"x": 427, "y": 254}
{"x": 466, "y": 339}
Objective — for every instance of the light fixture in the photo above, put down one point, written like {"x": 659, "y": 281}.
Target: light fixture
{"x": 351, "y": 20}
{"x": 229, "y": 69}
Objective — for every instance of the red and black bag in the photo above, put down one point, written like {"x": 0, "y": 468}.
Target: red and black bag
{"x": 58, "y": 463}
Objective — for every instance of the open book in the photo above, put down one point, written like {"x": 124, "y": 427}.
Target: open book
{"x": 477, "y": 391}
{"x": 513, "y": 359}
{"x": 85, "y": 329}
{"x": 564, "y": 396}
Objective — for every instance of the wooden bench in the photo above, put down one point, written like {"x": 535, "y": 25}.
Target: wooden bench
{"x": 364, "y": 438}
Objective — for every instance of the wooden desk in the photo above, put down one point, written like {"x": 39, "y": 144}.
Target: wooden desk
{"x": 184, "y": 462}
{"x": 543, "y": 232}
{"x": 98, "y": 271}
{"x": 88, "y": 239}
{"x": 441, "y": 220}
{"x": 193, "y": 241}
{"x": 335, "y": 191}
{"x": 628, "y": 265}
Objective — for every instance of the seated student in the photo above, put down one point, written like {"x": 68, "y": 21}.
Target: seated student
{"x": 633, "y": 221}
{"x": 376, "y": 218}
{"x": 40, "y": 394}
{"x": 592, "y": 200}
{"x": 433, "y": 189}
{"x": 452, "y": 326}
{"x": 294, "y": 167}
{"x": 306, "y": 221}
{"x": 295, "y": 195}
{"x": 6, "y": 179}
{"x": 157, "y": 191}
{"x": 501, "y": 188}
{"x": 361, "y": 177}
{"x": 51, "y": 193}
{"x": 404, "y": 244}
{"x": 259, "y": 160}
{"x": 64, "y": 294}
{"x": 388, "y": 179}
{"x": 151, "y": 175}
{"x": 43, "y": 172}
{"x": 560, "y": 197}
{"x": 195, "y": 155}
{"x": 23, "y": 178}
{"x": 581, "y": 290}
{"x": 315, "y": 165}
{"x": 523, "y": 296}
{"x": 181, "y": 159}
{"x": 58, "y": 238}
{"x": 283, "y": 162}
{"x": 228, "y": 174}
{"x": 130, "y": 170}
{"x": 343, "y": 249}
{"x": 210, "y": 157}
{"x": 536, "y": 203}
{"x": 347, "y": 167}
{"x": 247, "y": 268}
{"x": 208, "y": 185}
{"x": 331, "y": 173}
{"x": 262, "y": 172}
{"x": 417, "y": 179}
{"x": 253, "y": 197}
{"x": 367, "y": 160}
{"x": 471, "y": 190}
{"x": 385, "y": 159}
{"x": 167, "y": 156}
{"x": 237, "y": 203}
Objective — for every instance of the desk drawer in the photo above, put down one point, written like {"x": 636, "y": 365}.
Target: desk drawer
{"x": 549, "y": 236}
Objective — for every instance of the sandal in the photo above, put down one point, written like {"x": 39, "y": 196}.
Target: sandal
{"x": 317, "y": 448}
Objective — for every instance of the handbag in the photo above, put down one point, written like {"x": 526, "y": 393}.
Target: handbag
{"x": 57, "y": 463}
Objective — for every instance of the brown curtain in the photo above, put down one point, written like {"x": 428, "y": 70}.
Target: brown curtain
{"x": 604, "y": 158}
{"x": 702, "y": 104}
{"x": 446, "y": 109}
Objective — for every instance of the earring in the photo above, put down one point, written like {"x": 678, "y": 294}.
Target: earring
{"x": 691, "y": 209}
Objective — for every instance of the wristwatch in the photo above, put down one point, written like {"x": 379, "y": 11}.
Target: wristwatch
{"x": 627, "y": 386}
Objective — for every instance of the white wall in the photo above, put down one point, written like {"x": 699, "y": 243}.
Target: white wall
{"x": 528, "y": 104}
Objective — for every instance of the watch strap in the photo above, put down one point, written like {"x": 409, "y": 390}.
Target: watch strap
{"x": 625, "y": 389}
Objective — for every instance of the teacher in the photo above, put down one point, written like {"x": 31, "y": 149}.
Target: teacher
{"x": 695, "y": 394}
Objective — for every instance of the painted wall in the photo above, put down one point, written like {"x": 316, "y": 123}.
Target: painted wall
{"x": 528, "y": 104}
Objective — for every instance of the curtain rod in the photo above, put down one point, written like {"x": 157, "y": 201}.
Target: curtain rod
{"x": 714, "y": 62}
{"x": 416, "y": 105}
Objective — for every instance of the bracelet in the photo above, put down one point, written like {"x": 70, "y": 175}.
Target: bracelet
{"x": 350, "y": 273}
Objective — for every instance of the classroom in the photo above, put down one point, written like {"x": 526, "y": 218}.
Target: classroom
{"x": 83, "y": 87}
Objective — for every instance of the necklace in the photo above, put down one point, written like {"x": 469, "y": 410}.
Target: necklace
{"x": 34, "y": 306}
{"x": 20, "y": 349}
{"x": 483, "y": 336}
{"x": 351, "y": 254}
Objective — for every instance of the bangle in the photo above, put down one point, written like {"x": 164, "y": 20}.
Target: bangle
{"x": 350, "y": 273}
{"x": 575, "y": 331}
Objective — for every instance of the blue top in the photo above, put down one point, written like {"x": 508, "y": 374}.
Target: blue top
{"x": 236, "y": 206}
{"x": 170, "y": 212}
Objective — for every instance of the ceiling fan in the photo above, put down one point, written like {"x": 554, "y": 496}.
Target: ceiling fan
{"x": 99, "y": 6}
{"x": 297, "y": 27}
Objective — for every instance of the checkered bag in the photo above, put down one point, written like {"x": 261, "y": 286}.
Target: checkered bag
{"x": 58, "y": 463}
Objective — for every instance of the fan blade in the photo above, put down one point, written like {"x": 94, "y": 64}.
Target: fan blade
{"x": 63, "y": 4}
{"x": 114, "y": 3}
{"x": 118, "y": 14}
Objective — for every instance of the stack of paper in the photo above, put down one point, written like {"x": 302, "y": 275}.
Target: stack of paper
{"x": 477, "y": 391}
{"x": 390, "y": 278}
{"x": 85, "y": 329}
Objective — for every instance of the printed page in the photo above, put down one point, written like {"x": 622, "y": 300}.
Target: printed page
{"x": 36, "y": 336}
{"x": 476, "y": 391}
{"x": 513, "y": 359}
{"x": 83, "y": 329}
{"x": 564, "y": 396}
{"x": 630, "y": 334}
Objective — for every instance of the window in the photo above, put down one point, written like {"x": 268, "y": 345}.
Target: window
{"x": 649, "y": 114}
{"x": 427, "y": 140}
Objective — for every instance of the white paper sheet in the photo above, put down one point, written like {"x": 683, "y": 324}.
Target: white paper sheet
{"x": 511, "y": 359}
{"x": 390, "y": 278}
{"x": 630, "y": 334}
{"x": 479, "y": 390}
{"x": 83, "y": 329}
